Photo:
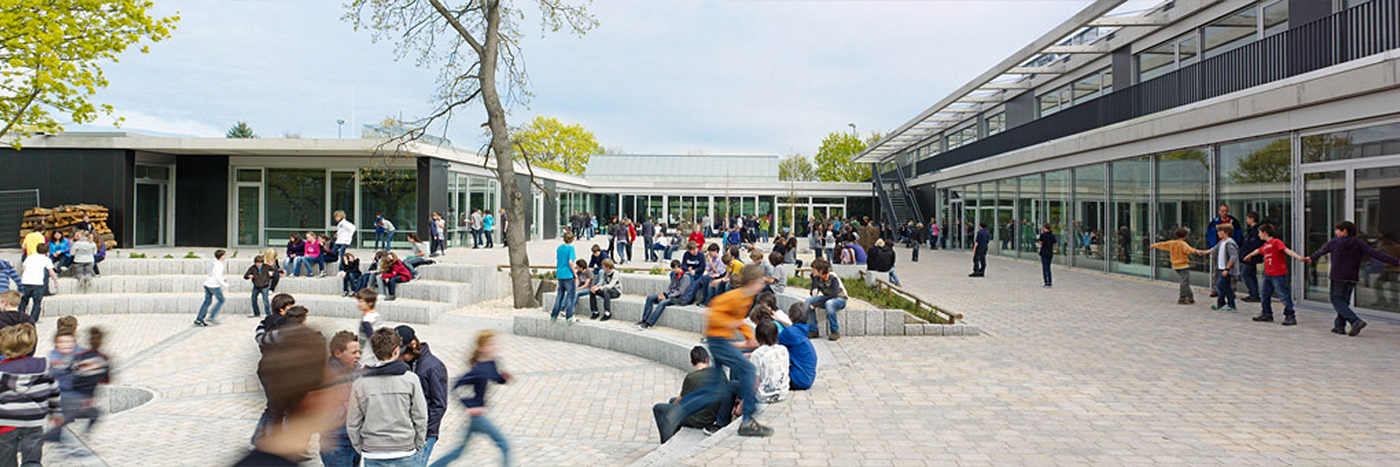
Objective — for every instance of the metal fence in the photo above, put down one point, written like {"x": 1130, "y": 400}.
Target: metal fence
{"x": 1366, "y": 29}
{"x": 13, "y": 203}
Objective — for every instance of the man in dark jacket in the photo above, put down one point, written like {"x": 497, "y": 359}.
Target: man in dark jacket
{"x": 648, "y": 235}
{"x": 1248, "y": 269}
{"x": 881, "y": 259}
{"x": 981, "y": 242}
{"x": 433, "y": 376}
{"x": 1347, "y": 252}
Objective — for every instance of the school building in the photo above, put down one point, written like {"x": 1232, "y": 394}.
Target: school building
{"x": 165, "y": 191}
{"x": 1117, "y": 127}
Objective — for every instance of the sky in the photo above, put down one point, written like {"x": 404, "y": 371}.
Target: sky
{"x": 655, "y": 77}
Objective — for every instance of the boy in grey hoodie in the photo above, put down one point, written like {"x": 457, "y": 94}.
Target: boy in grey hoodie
{"x": 1227, "y": 256}
{"x": 387, "y": 420}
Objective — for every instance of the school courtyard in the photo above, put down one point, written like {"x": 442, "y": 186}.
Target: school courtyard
{"x": 1100, "y": 370}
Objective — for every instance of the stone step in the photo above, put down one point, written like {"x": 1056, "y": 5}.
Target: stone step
{"x": 669, "y": 348}
{"x": 235, "y": 305}
{"x": 455, "y": 294}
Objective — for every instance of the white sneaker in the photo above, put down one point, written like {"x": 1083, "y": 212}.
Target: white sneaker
{"x": 571, "y": 321}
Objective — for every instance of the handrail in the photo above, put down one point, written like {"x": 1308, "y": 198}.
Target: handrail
{"x": 919, "y": 303}
{"x": 909, "y": 195}
{"x": 884, "y": 195}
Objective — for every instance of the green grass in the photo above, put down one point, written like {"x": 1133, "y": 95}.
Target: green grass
{"x": 137, "y": 256}
{"x": 885, "y": 299}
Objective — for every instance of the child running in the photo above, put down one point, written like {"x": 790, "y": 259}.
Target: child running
{"x": 725, "y": 317}
{"x": 484, "y": 371}
{"x": 30, "y": 396}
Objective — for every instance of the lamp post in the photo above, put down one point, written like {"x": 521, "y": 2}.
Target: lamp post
{"x": 853, "y": 129}
{"x": 340, "y": 125}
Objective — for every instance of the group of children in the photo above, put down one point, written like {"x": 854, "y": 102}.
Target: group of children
{"x": 60, "y": 387}
{"x": 383, "y": 409}
{"x": 1346, "y": 249}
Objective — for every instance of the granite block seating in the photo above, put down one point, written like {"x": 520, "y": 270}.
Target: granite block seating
{"x": 176, "y": 286}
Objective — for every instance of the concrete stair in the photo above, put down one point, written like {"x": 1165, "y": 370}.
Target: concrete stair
{"x": 449, "y": 293}
{"x": 401, "y": 310}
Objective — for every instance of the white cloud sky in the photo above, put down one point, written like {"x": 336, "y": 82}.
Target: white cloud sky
{"x": 676, "y": 76}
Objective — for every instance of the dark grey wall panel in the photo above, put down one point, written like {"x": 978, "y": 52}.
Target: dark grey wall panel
{"x": 74, "y": 176}
{"x": 432, "y": 192}
{"x": 201, "y": 200}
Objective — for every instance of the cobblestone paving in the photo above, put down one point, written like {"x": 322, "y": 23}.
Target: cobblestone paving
{"x": 1099, "y": 370}
{"x": 570, "y": 405}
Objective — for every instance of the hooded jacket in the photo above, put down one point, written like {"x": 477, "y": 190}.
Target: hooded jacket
{"x": 432, "y": 375}
{"x": 387, "y": 411}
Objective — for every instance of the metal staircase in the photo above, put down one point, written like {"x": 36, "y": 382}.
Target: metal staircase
{"x": 896, "y": 199}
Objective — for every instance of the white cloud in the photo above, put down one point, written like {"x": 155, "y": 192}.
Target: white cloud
{"x": 173, "y": 126}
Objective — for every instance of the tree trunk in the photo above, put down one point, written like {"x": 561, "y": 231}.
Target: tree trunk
{"x": 505, "y": 163}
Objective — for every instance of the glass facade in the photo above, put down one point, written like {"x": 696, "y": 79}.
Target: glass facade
{"x": 295, "y": 203}
{"x": 392, "y": 193}
{"x": 1107, "y": 215}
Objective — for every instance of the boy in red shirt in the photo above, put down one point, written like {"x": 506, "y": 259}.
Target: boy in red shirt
{"x": 1275, "y": 255}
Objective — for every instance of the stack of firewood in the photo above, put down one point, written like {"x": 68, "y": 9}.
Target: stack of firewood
{"x": 66, "y": 218}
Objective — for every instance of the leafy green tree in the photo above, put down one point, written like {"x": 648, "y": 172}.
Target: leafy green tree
{"x": 50, "y": 54}
{"x": 547, "y": 142}
{"x": 834, "y": 157}
{"x": 797, "y": 168}
{"x": 475, "y": 46}
{"x": 241, "y": 130}
{"x": 1269, "y": 164}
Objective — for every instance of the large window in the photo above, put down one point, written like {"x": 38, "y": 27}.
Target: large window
{"x": 1058, "y": 199}
{"x": 1326, "y": 200}
{"x": 962, "y": 136}
{"x": 1092, "y": 86}
{"x": 1029, "y": 211}
{"x": 1005, "y": 229}
{"x": 1156, "y": 61}
{"x": 1376, "y": 205}
{"x": 1231, "y": 32}
{"x": 1183, "y": 202}
{"x": 296, "y": 203}
{"x": 996, "y": 123}
{"x": 393, "y": 193}
{"x": 1382, "y": 140}
{"x": 1132, "y": 200}
{"x": 1254, "y": 176}
{"x": 1089, "y": 216}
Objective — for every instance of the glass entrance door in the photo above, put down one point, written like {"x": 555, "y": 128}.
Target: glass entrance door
{"x": 150, "y": 214}
{"x": 1368, "y": 195}
{"x": 249, "y": 215}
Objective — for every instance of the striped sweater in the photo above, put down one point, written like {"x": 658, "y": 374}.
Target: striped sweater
{"x": 27, "y": 393}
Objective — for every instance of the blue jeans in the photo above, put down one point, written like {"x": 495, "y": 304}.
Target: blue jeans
{"x": 489, "y": 242}
{"x": 660, "y": 307}
{"x": 387, "y": 237}
{"x": 832, "y": 306}
{"x": 712, "y": 291}
{"x": 1045, "y": 267}
{"x": 1250, "y": 276}
{"x": 339, "y": 250}
{"x": 339, "y": 454}
{"x": 410, "y": 460}
{"x": 724, "y": 355}
{"x": 426, "y": 452}
{"x": 308, "y": 261}
{"x": 211, "y": 294}
{"x": 478, "y": 424}
{"x": 351, "y": 282}
{"x": 1340, "y": 293}
{"x": 295, "y": 264}
{"x": 1271, "y": 284}
{"x": 696, "y": 292}
{"x": 35, "y": 293}
{"x": 1225, "y": 288}
{"x": 265, "y": 305}
{"x": 392, "y": 284}
{"x": 564, "y": 299}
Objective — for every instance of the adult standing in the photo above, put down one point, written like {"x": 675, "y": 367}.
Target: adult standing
{"x": 1046, "y": 242}
{"x": 344, "y": 234}
{"x": 432, "y": 375}
{"x": 933, "y": 229}
{"x": 476, "y": 228}
{"x": 1222, "y": 217}
{"x": 1249, "y": 269}
{"x": 648, "y": 238}
{"x": 1347, "y": 252}
{"x": 488, "y": 224}
{"x": 30, "y": 243}
{"x": 564, "y": 299}
{"x": 917, "y": 240}
{"x": 981, "y": 241}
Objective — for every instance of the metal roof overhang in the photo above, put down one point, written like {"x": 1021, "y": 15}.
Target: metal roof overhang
{"x": 995, "y": 79}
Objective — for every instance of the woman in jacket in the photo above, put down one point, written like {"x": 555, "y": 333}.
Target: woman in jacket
{"x": 393, "y": 273}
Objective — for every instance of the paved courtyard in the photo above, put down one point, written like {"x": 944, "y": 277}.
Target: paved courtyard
{"x": 1100, "y": 370}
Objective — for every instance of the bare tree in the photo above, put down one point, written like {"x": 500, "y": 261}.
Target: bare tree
{"x": 476, "y": 46}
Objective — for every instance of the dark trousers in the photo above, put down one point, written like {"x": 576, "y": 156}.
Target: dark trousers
{"x": 1225, "y": 287}
{"x": 933, "y": 242}
{"x": 351, "y": 282}
{"x": 490, "y": 243}
{"x": 648, "y": 250}
{"x": 1249, "y": 274}
{"x": 652, "y": 310}
{"x": 31, "y": 292}
{"x": 593, "y": 302}
{"x": 1045, "y": 267}
{"x": 915, "y": 255}
{"x": 1279, "y": 284}
{"x": 392, "y": 284}
{"x": 979, "y": 260}
{"x": 1340, "y": 293}
{"x": 26, "y": 442}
